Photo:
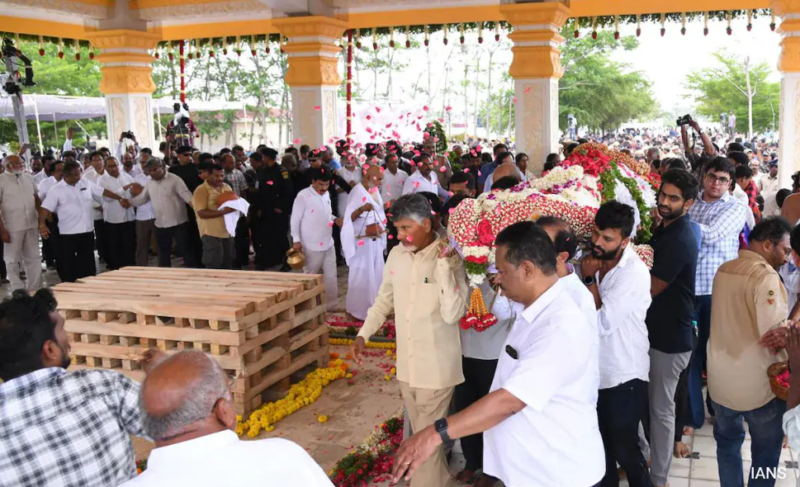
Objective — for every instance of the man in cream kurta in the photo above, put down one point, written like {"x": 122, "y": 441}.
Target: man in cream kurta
{"x": 363, "y": 242}
{"x": 426, "y": 288}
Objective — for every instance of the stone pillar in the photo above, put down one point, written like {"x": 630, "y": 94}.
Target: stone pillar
{"x": 789, "y": 66}
{"x": 127, "y": 83}
{"x": 536, "y": 69}
{"x": 313, "y": 77}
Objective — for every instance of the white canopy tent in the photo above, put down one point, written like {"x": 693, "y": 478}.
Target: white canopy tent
{"x": 53, "y": 108}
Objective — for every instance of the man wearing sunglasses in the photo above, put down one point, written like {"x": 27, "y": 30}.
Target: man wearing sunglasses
{"x": 721, "y": 219}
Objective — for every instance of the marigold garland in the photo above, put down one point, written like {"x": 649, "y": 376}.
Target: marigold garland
{"x": 348, "y": 342}
{"x": 305, "y": 392}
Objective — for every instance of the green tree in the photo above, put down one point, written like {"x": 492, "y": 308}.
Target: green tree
{"x": 738, "y": 85}
{"x": 601, "y": 93}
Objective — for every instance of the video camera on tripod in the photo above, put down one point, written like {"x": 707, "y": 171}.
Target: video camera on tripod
{"x": 13, "y": 58}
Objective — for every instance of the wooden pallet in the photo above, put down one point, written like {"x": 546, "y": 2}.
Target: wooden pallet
{"x": 262, "y": 327}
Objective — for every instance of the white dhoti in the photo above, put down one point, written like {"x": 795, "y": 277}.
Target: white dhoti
{"x": 325, "y": 262}
{"x": 364, "y": 279}
{"x": 364, "y": 254}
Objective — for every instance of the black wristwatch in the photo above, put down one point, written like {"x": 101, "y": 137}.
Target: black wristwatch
{"x": 589, "y": 280}
{"x": 441, "y": 428}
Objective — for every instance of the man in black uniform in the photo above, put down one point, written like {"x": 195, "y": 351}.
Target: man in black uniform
{"x": 186, "y": 169}
{"x": 275, "y": 200}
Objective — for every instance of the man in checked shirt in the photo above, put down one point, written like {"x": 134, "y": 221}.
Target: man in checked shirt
{"x": 721, "y": 219}
{"x": 57, "y": 427}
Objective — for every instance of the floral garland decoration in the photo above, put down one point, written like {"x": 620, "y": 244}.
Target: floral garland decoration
{"x": 372, "y": 459}
{"x": 608, "y": 182}
{"x": 339, "y": 325}
{"x": 305, "y": 392}
{"x": 348, "y": 342}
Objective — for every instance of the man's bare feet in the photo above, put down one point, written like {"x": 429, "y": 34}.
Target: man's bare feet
{"x": 688, "y": 431}
{"x": 680, "y": 450}
{"x": 465, "y": 476}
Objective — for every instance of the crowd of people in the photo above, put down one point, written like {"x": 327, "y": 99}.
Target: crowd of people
{"x": 596, "y": 368}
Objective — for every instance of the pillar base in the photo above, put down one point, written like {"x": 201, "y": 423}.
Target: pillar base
{"x": 536, "y": 119}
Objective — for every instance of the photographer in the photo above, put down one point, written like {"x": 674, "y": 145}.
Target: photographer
{"x": 709, "y": 151}
{"x": 122, "y": 147}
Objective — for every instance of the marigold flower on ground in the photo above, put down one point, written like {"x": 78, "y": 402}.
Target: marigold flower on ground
{"x": 322, "y": 418}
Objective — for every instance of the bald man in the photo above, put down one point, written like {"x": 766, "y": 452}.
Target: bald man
{"x": 187, "y": 410}
{"x": 505, "y": 167}
{"x": 19, "y": 207}
{"x": 364, "y": 241}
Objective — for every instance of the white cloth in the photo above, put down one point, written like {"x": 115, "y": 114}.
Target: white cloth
{"x": 417, "y": 183}
{"x": 39, "y": 177}
{"x": 392, "y": 186}
{"x": 113, "y": 212}
{"x": 624, "y": 346}
{"x": 212, "y": 461}
{"x": 353, "y": 176}
{"x": 23, "y": 249}
{"x": 771, "y": 207}
{"x": 741, "y": 197}
{"x": 136, "y": 171}
{"x": 231, "y": 219}
{"x": 312, "y": 219}
{"x": 45, "y": 186}
{"x": 91, "y": 175}
{"x": 364, "y": 255}
{"x": 554, "y": 440}
{"x": 74, "y": 205}
{"x": 767, "y": 184}
{"x": 791, "y": 281}
{"x": 488, "y": 344}
{"x": 791, "y": 427}
{"x": 144, "y": 212}
{"x": 324, "y": 262}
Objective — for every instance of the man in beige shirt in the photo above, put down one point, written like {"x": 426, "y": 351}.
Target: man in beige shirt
{"x": 217, "y": 242}
{"x": 425, "y": 285}
{"x": 168, "y": 193}
{"x": 19, "y": 206}
{"x": 748, "y": 309}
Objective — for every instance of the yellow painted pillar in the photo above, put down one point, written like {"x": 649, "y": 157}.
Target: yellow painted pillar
{"x": 536, "y": 69}
{"x": 313, "y": 77}
{"x": 127, "y": 82}
{"x": 789, "y": 66}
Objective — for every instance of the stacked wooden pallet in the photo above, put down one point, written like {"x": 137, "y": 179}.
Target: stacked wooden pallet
{"x": 262, "y": 327}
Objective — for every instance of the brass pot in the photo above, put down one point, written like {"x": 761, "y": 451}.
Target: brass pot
{"x": 295, "y": 259}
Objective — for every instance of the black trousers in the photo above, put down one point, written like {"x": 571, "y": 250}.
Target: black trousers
{"x": 619, "y": 411}
{"x": 3, "y": 270}
{"x": 193, "y": 242}
{"x": 101, "y": 241}
{"x": 48, "y": 248}
{"x": 76, "y": 253}
{"x": 478, "y": 376}
{"x": 242, "y": 243}
{"x": 274, "y": 236}
{"x": 164, "y": 237}
{"x": 121, "y": 245}
{"x": 54, "y": 242}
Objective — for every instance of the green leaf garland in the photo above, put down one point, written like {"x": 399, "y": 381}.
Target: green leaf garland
{"x": 608, "y": 180}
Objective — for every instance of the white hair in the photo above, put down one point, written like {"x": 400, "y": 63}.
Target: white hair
{"x": 202, "y": 393}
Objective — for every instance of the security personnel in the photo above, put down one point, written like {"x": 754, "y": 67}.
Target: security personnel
{"x": 275, "y": 200}
{"x": 186, "y": 169}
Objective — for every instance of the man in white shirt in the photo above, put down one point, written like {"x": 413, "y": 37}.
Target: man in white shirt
{"x": 72, "y": 200}
{"x": 768, "y": 183}
{"x": 93, "y": 174}
{"x": 350, "y": 173}
{"x": 187, "y": 410}
{"x": 620, "y": 284}
{"x": 129, "y": 165}
{"x": 393, "y": 180}
{"x": 145, "y": 223}
{"x": 119, "y": 221}
{"x": 422, "y": 180}
{"x": 38, "y": 170}
{"x": 363, "y": 243}
{"x": 539, "y": 418}
{"x": 53, "y": 169}
{"x": 312, "y": 231}
{"x": 566, "y": 244}
{"x": 19, "y": 206}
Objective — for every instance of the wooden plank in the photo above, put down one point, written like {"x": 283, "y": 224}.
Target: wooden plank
{"x": 229, "y": 338}
{"x": 283, "y": 327}
{"x": 152, "y": 306}
{"x": 274, "y": 377}
{"x": 135, "y": 354}
{"x": 222, "y": 273}
{"x": 244, "y": 278}
{"x": 255, "y": 318}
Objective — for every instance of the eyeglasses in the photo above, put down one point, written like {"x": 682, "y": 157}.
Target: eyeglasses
{"x": 715, "y": 180}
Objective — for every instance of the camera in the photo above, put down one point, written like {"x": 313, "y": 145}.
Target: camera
{"x": 685, "y": 120}
{"x": 127, "y": 135}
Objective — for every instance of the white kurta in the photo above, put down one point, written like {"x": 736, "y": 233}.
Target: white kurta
{"x": 364, "y": 255}
{"x": 351, "y": 176}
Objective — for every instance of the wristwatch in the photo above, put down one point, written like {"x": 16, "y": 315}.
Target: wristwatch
{"x": 589, "y": 280}
{"x": 441, "y": 428}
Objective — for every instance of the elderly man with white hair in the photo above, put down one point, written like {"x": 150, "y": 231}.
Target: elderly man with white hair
{"x": 19, "y": 207}
{"x": 425, "y": 286}
{"x": 187, "y": 410}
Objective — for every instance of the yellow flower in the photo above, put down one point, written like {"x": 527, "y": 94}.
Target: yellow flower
{"x": 388, "y": 353}
{"x": 387, "y": 377}
{"x": 394, "y": 370}
{"x": 349, "y": 376}
{"x": 322, "y": 419}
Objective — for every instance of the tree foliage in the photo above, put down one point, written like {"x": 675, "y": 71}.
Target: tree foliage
{"x": 717, "y": 90}
{"x": 602, "y": 93}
